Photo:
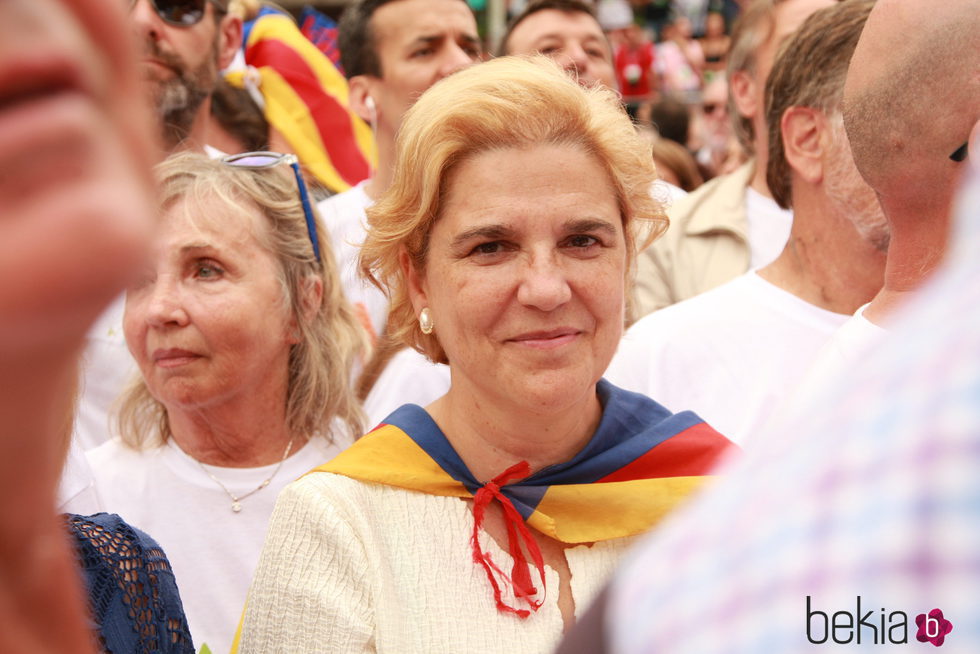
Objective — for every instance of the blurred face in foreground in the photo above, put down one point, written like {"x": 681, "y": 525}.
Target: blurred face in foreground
{"x": 525, "y": 276}
{"x": 74, "y": 161}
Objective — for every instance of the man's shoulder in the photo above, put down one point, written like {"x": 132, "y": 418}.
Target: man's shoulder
{"x": 716, "y": 204}
{"x": 699, "y": 313}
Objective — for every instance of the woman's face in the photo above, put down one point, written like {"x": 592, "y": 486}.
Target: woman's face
{"x": 208, "y": 322}
{"x": 525, "y": 275}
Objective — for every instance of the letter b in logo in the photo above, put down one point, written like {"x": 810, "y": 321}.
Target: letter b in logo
{"x": 809, "y": 624}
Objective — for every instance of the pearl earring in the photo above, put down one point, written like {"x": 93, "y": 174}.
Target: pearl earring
{"x": 425, "y": 321}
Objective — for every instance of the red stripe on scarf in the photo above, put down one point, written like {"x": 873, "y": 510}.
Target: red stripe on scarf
{"x": 520, "y": 577}
{"x": 691, "y": 453}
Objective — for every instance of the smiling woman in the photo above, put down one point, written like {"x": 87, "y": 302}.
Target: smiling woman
{"x": 245, "y": 344}
{"x": 486, "y": 521}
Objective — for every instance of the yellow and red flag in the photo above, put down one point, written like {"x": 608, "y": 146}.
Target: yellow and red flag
{"x": 306, "y": 100}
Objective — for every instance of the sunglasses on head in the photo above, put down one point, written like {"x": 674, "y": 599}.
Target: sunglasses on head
{"x": 182, "y": 13}
{"x": 260, "y": 160}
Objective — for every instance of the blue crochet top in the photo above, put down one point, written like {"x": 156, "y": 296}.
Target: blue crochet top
{"x": 133, "y": 597}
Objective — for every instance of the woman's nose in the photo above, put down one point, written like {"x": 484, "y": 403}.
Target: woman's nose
{"x": 544, "y": 285}
{"x": 164, "y": 306}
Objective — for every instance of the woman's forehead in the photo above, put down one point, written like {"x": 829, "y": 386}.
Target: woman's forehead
{"x": 216, "y": 218}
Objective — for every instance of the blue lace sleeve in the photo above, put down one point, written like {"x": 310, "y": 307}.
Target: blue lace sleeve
{"x": 135, "y": 605}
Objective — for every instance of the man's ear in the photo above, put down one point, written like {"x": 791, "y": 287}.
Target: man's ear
{"x": 229, "y": 40}
{"x": 414, "y": 282}
{"x": 805, "y": 134}
{"x": 310, "y": 301}
{"x": 361, "y": 100}
{"x": 742, "y": 88}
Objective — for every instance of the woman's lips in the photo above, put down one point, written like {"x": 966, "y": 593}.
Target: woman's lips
{"x": 547, "y": 340}
{"x": 173, "y": 357}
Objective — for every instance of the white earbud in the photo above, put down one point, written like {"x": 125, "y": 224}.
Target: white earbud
{"x": 372, "y": 113}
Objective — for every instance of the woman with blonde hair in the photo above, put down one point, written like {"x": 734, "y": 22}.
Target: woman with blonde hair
{"x": 485, "y": 521}
{"x": 245, "y": 344}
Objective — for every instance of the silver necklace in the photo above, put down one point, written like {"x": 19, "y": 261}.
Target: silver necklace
{"x": 236, "y": 501}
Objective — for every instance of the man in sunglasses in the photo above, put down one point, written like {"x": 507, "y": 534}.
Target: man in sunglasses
{"x": 186, "y": 43}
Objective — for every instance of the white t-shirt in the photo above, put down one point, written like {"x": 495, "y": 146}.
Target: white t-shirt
{"x": 212, "y": 549}
{"x": 76, "y": 489}
{"x": 344, "y": 218}
{"x": 106, "y": 367}
{"x": 410, "y": 378}
{"x": 769, "y": 228}
{"x": 730, "y": 354}
{"x": 840, "y": 355}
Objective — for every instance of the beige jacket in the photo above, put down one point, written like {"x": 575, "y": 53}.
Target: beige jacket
{"x": 705, "y": 246}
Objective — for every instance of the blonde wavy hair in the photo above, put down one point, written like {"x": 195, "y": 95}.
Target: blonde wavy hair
{"x": 510, "y": 102}
{"x": 319, "y": 392}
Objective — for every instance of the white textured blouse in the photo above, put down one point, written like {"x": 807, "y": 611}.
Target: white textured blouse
{"x": 351, "y": 567}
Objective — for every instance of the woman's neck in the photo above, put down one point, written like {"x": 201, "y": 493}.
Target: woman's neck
{"x": 491, "y": 436}
{"x": 232, "y": 435}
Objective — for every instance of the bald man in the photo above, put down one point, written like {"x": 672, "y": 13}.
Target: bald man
{"x": 909, "y": 104}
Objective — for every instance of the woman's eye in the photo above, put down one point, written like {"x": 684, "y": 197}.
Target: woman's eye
{"x": 582, "y": 241}
{"x": 208, "y": 270}
{"x": 492, "y": 247}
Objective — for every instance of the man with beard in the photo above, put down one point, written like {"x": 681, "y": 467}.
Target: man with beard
{"x": 733, "y": 352}
{"x": 184, "y": 45}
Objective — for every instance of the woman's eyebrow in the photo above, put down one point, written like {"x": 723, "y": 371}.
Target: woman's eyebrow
{"x": 493, "y": 231}
{"x": 591, "y": 225}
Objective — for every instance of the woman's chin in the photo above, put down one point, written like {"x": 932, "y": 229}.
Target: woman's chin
{"x": 551, "y": 391}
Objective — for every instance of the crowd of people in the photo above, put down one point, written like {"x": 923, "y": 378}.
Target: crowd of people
{"x": 629, "y": 342}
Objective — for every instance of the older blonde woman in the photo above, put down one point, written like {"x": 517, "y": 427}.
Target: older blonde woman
{"x": 486, "y": 521}
{"x": 245, "y": 345}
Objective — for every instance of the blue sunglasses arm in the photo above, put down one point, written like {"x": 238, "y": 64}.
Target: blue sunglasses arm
{"x": 304, "y": 198}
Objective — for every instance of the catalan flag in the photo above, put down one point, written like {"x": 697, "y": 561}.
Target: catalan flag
{"x": 639, "y": 465}
{"x": 306, "y": 100}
